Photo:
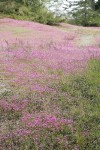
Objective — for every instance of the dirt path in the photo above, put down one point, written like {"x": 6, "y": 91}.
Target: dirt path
{"x": 87, "y": 40}
{"x": 4, "y": 88}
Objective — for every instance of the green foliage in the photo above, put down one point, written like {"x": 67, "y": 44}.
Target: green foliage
{"x": 97, "y": 5}
{"x": 28, "y": 10}
{"x": 83, "y": 103}
{"x": 86, "y": 86}
{"x": 86, "y": 13}
{"x": 92, "y": 18}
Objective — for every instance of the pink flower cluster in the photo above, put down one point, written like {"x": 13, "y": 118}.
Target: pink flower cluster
{"x": 45, "y": 121}
{"x": 14, "y": 106}
{"x": 34, "y": 58}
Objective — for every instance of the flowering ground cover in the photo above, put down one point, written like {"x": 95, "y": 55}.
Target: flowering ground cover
{"x": 49, "y": 86}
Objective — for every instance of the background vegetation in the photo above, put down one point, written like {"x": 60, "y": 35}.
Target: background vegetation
{"x": 85, "y": 13}
{"x": 34, "y": 10}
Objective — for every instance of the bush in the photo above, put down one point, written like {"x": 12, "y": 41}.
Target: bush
{"x": 93, "y": 19}
{"x": 21, "y": 11}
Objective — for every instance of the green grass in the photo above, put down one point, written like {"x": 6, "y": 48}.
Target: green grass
{"x": 79, "y": 99}
{"x": 83, "y": 104}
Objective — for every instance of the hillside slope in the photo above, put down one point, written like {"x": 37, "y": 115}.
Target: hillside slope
{"x": 49, "y": 86}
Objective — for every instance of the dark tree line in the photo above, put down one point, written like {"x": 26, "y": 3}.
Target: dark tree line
{"x": 97, "y": 5}
{"x": 85, "y": 12}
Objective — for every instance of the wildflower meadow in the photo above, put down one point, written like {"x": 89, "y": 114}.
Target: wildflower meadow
{"x": 49, "y": 86}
